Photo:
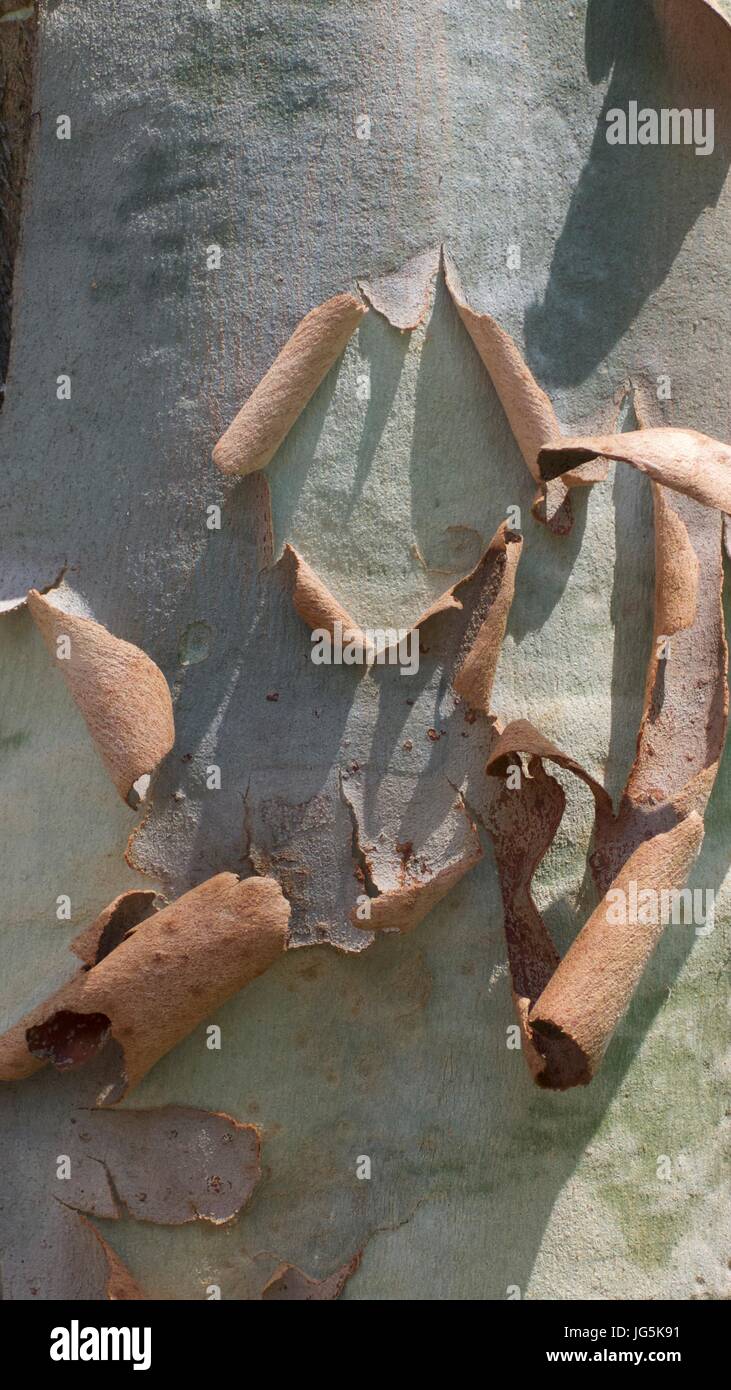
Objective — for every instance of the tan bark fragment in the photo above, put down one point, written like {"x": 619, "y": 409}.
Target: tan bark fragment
{"x": 529, "y": 410}
{"x": 474, "y": 679}
{"x": 575, "y": 1016}
{"x": 122, "y": 695}
{"x": 315, "y": 604}
{"x": 683, "y": 460}
{"x": 252, "y": 439}
{"x": 158, "y": 984}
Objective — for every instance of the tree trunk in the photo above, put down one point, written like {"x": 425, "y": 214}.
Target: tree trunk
{"x": 316, "y": 146}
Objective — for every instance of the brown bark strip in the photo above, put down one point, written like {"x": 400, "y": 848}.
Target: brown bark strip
{"x": 683, "y": 460}
{"x": 528, "y": 409}
{"x": 122, "y": 695}
{"x": 252, "y": 439}
{"x": 574, "y": 1018}
{"x": 676, "y": 566}
{"x": 657, "y": 832}
{"x": 522, "y": 828}
{"x": 496, "y": 570}
{"x": 484, "y": 638}
{"x": 314, "y": 603}
{"x": 162, "y": 980}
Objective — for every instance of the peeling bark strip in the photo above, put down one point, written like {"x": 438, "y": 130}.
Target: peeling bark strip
{"x": 677, "y": 569}
{"x": 290, "y": 1284}
{"x": 569, "y": 1011}
{"x": 574, "y": 1018}
{"x": 484, "y": 638}
{"x": 122, "y": 695}
{"x": 529, "y": 411}
{"x": 683, "y": 460}
{"x": 158, "y": 984}
{"x": 318, "y": 608}
{"x": 261, "y": 425}
{"x": 315, "y": 604}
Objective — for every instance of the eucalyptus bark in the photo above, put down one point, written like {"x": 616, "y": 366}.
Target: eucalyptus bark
{"x": 226, "y": 171}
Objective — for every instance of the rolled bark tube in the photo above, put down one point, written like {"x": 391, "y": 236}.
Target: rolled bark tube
{"x": 158, "y": 984}
{"x": 575, "y": 1016}
{"x": 253, "y": 437}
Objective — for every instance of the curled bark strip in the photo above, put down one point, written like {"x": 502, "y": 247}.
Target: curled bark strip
{"x": 485, "y": 633}
{"x": 530, "y": 413}
{"x": 522, "y": 828}
{"x": 528, "y": 409}
{"x": 403, "y": 297}
{"x": 290, "y": 1284}
{"x": 122, "y": 695}
{"x": 404, "y": 878}
{"x": 521, "y": 737}
{"x": 676, "y": 567}
{"x": 113, "y": 925}
{"x": 319, "y": 609}
{"x": 575, "y": 1016}
{"x": 157, "y": 984}
{"x": 206, "y": 1166}
{"x": 252, "y": 439}
{"x": 314, "y": 603}
{"x": 683, "y": 460}
{"x": 569, "y": 1014}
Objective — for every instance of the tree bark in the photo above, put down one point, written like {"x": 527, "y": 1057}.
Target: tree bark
{"x": 318, "y": 145}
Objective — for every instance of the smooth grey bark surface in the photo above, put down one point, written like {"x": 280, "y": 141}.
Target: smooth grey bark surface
{"x": 240, "y": 128}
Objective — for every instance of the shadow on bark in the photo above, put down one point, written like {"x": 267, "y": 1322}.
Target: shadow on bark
{"x": 632, "y": 208}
